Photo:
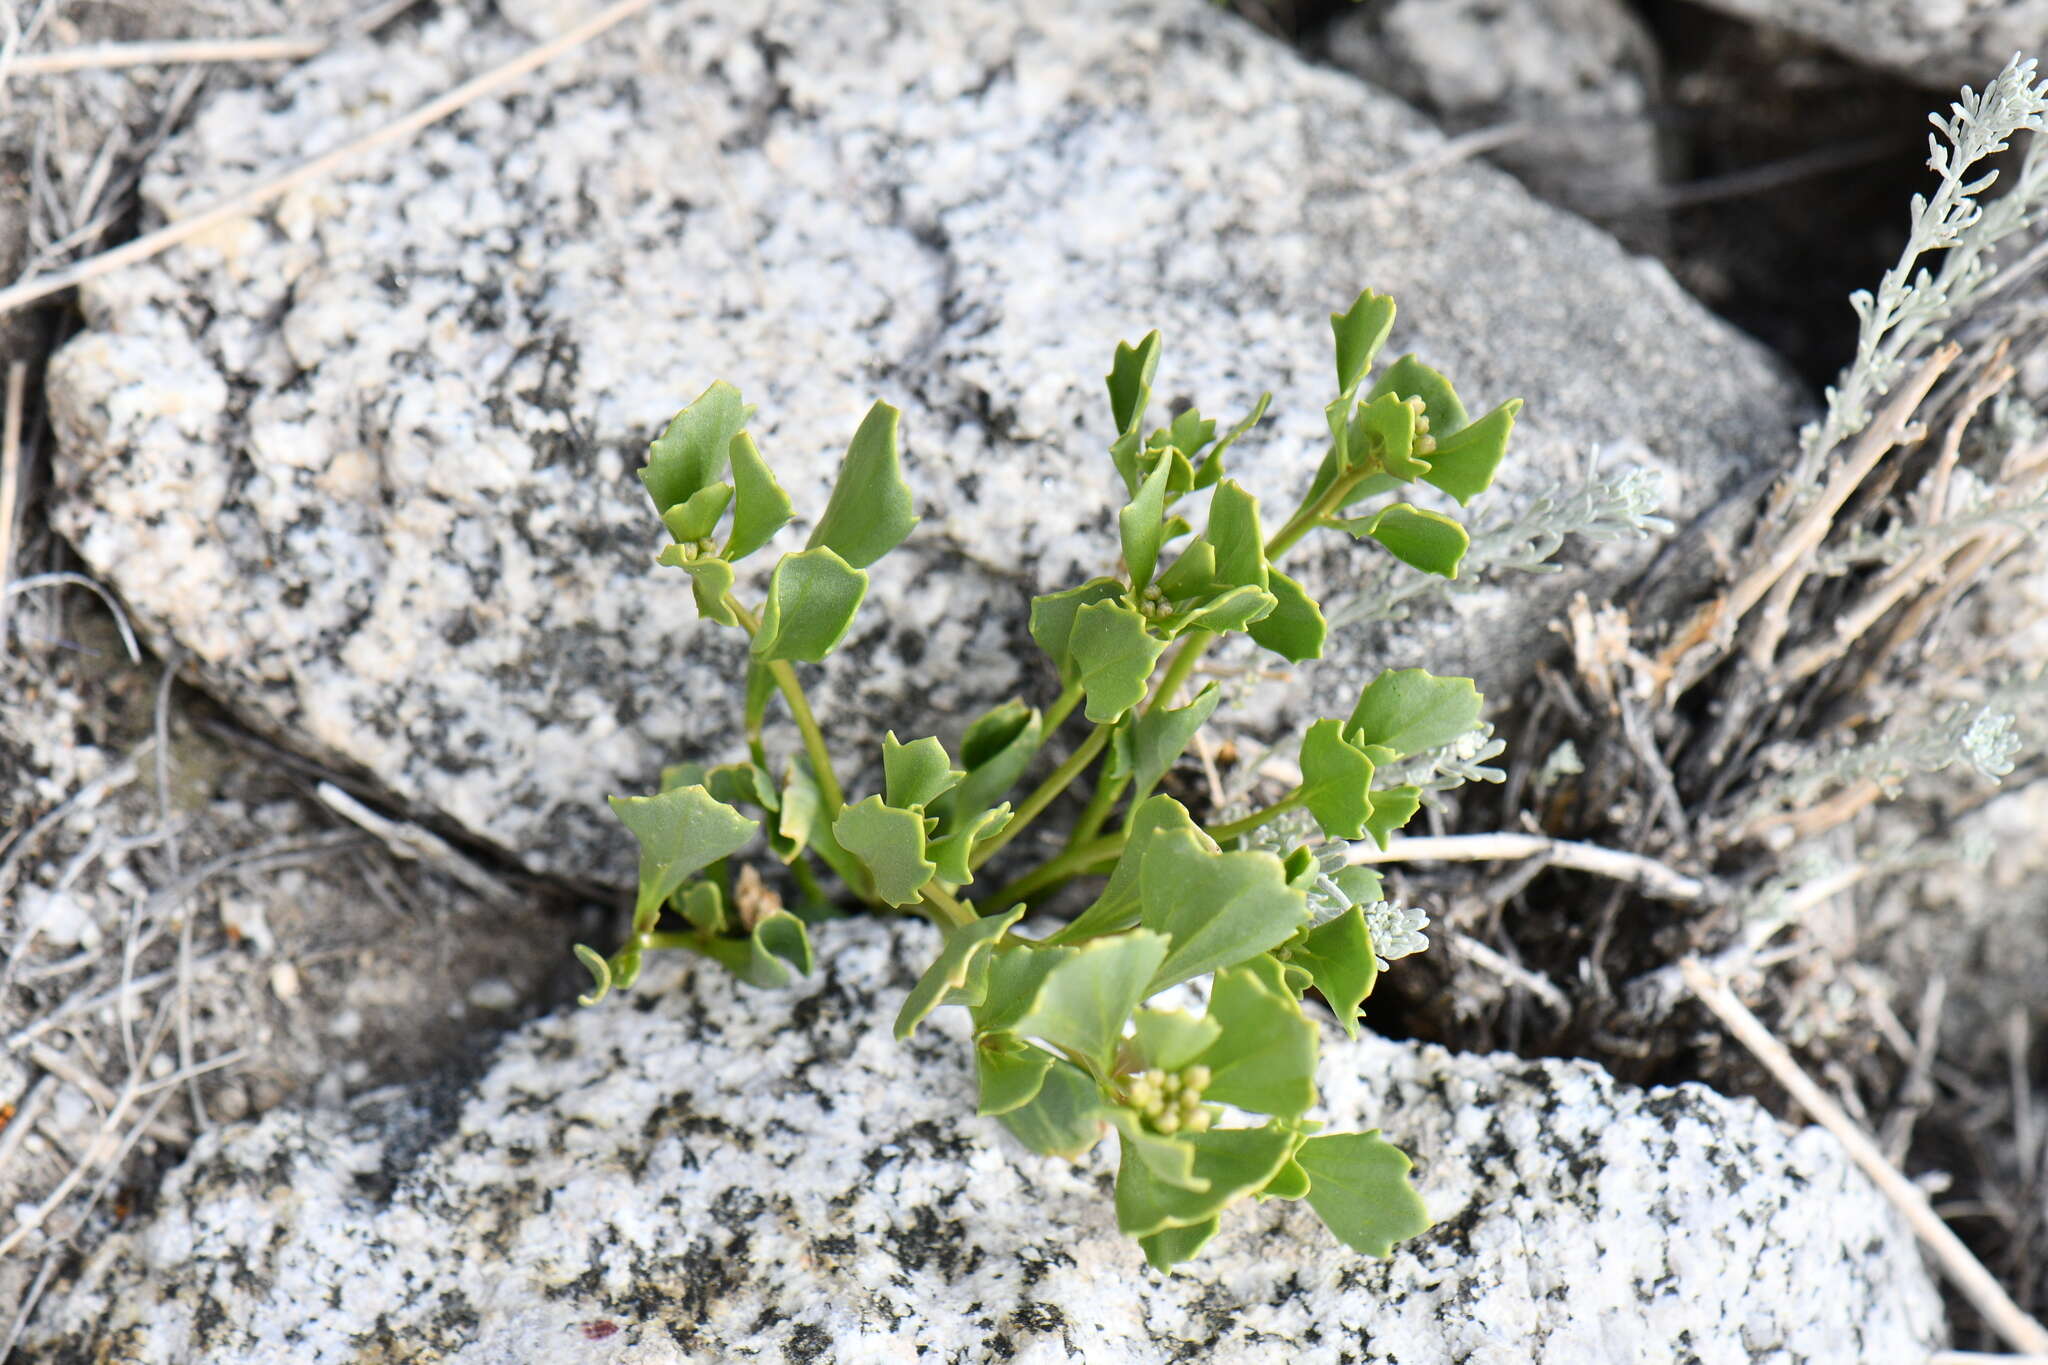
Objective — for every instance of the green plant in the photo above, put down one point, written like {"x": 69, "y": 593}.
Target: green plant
{"x": 1260, "y": 908}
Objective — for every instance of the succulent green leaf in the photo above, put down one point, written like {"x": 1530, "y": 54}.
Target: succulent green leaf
{"x": 1410, "y": 378}
{"x": 1166, "y": 1249}
{"x": 703, "y": 904}
{"x": 798, "y": 819}
{"x": 1118, "y": 906}
{"x": 889, "y": 842}
{"x": 1180, "y": 474}
{"x": 1085, "y": 1000}
{"x": 734, "y": 783}
{"x": 954, "y": 854}
{"x": 1295, "y": 628}
{"x": 1235, "y": 1162}
{"x": 1338, "y": 956}
{"x": 1358, "y": 1186}
{"x": 760, "y": 507}
{"x": 1190, "y": 432}
{"x": 1463, "y": 463}
{"x": 1337, "y": 417}
{"x": 773, "y": 955}
{"x": 917, "y": 773}
{"x": 1234, "y": 531}
{"x": 1409, "y": 710}
{"x": 1064, "y": 1118}
{"x": 696, "y": 517}
{"x": 1052, "y": 621}
{"x": 1140, "y": 524}
{"x": 710, "y": 582}
{"x": 1193, "y": 574}
{"x": 1391, "y": 809}
{"x": 1360, "y": 885}
{"x": 1429, "y": 541}
{"x": 600, "y": 972}
{"x": 1016, "y": 974}
{"x": 812, "y": 598}
{"x": 1236, "y": 609}
{"x": 1115, "y": 655}
{"x": 1336, "y": 781}
{"x": 1130, "y": 380}
{"x": 995, "y": 751}
{"x": 1301, "y": 867}
{"x": 1010, "y": 1072}
{"x": 1290, "y": 1183}
{"x": 1169, "y": 1158}
{"x": 870, "y": 510}
{"x": 1171, "y": 1039}
{"x": 1217, "y": 908}
{"x": 1212, "y": 464}
{"x": 1160, "y": 736}
{"x": 952, "y": 978}
{"x": 691, "y": 452}
{"x": 1386, "y": 427}
{"x": 1264, "y": 1058}
{"x": 1360, "y": 333}
{"x": 625, "y": 965}
{"x": 681, "y": 832}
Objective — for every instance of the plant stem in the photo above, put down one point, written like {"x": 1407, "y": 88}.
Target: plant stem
{"x": 1073, "y": 863}
{"x": 800, "y": 711}
{"x": 1192, "y": 646}
{"x": 1291, "y": 801}
{"x": 1047, "y": 790}
{"x": 807, "y": 880}
{"x": 1095, "y": 812}
{"x": 950, "y": 910}
{"x": 1058, "y": 712}
{"x": 1308, "y": 515}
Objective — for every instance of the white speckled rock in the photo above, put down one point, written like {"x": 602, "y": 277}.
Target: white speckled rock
{"x": 1582, "y": 76}
{"x": 1937, "y": 43}
{"x": 706, "y": 1174}
{"x": 370, "y": 458}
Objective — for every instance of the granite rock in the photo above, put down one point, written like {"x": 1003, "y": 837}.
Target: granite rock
{"x": 1575, "y": 81}
{"x": 704, "y": 1174}
{"x": 1942, "y": 44}
{"x": 370, "y": 457}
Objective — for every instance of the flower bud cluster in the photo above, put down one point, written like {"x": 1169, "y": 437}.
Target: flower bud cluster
{"x": 1171, "y": 1102}
{"x": 1153, "y": 603}
{"x": 1425, "y": 444}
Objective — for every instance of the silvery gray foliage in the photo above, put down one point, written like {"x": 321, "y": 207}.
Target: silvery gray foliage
{"x": 1911, "y": 306}
{"x": 1974, "y": 733}
{"x": 1396, "y": 930}
{"x": 1597, "y": 507}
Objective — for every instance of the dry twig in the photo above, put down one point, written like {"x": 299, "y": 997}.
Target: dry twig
{"x": 1646, "y": 874}
{"x": 1957, "y": 1262}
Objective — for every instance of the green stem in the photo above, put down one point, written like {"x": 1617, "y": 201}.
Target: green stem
{"x": 1292, "y": 801}
{"x": 1062, "y": 777}
{"x": 1073, "y": 863}
{"x": 1057, "y": 714}
{"x": 1307, "y": 516}
{"x": 951, "y": 913}
{"x": 1192, "y": 646}
{"x": 807, "y": 880}
{"x": 800, "y": 711}
{"x": 1095, "y": 812}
